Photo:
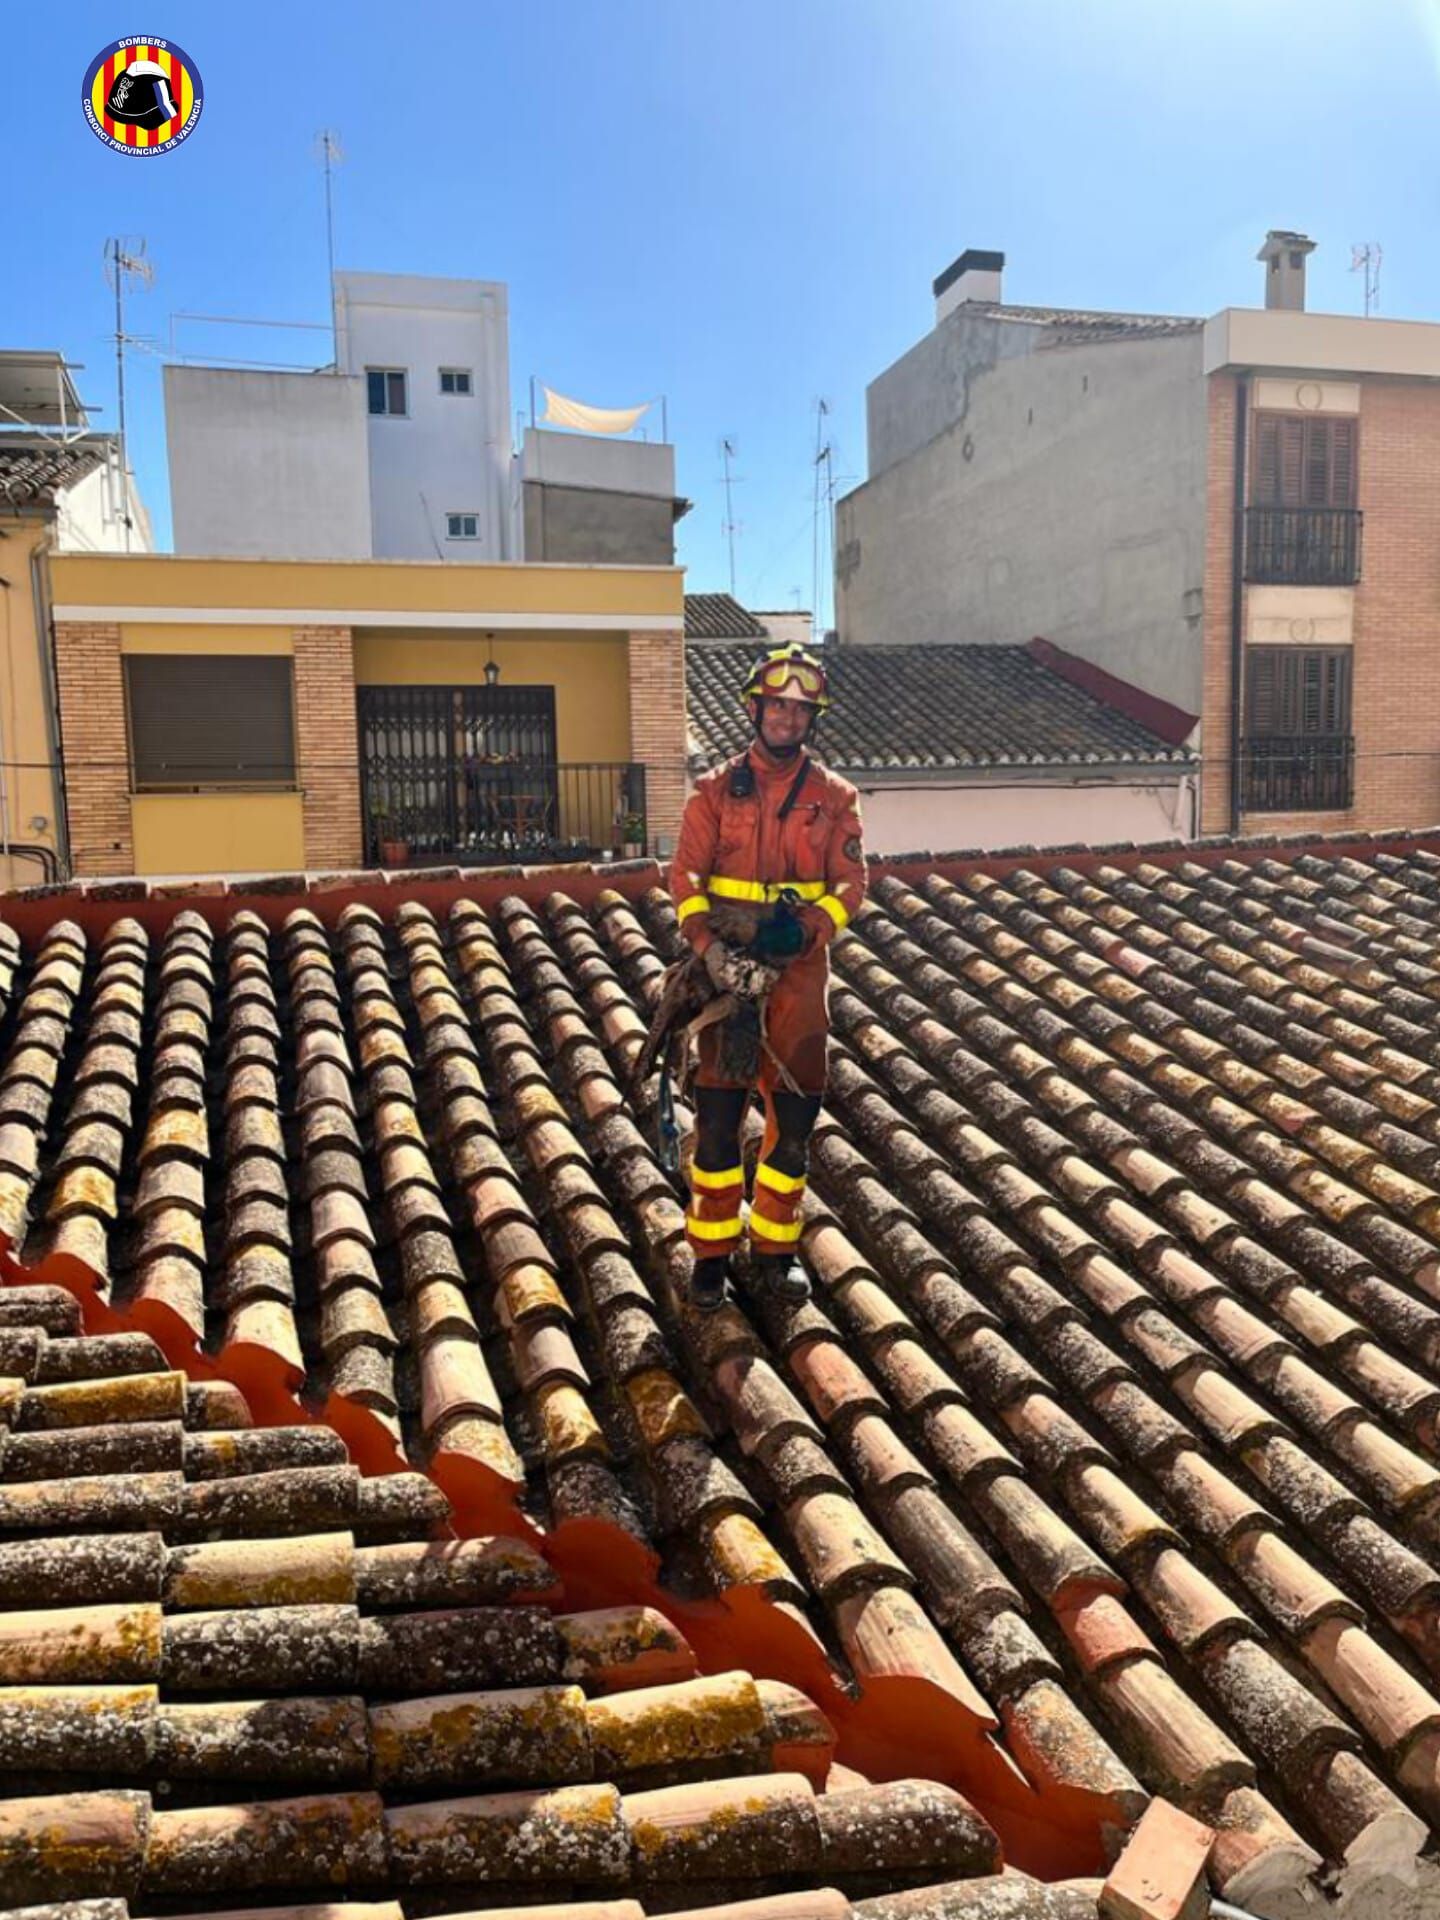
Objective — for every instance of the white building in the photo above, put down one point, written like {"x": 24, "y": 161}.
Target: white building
{"x": 434, "y": 357}
{"x": 400, "y": 451}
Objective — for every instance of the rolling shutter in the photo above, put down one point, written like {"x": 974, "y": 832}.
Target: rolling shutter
{"x": 210, "y": 720}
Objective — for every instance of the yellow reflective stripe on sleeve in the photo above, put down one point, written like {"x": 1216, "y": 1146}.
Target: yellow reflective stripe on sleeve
{"x": 711, "y": 1182}
{"x": 764, "y": 890}
{"x": 714, "y": 1229}
{"x": 779, "y": 1182}
{"x": 837, "y": 909}
{"x": 763, "y": 1229}
{"x": 693, "y": 903}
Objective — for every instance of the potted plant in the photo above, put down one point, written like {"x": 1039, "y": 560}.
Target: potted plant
{"x": 632, "y": 835}
{"x": 394, "y": 852}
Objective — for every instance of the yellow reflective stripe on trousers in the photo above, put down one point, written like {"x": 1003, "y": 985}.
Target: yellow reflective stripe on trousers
{"x": 693, "y": 903}
{"x": 785, "y": 1231}
{"x": 714, "y": 1229}
{"x": 762, "y": 891}
{"x": 727, "y": 1177}
{"x": 779, "y": 1182}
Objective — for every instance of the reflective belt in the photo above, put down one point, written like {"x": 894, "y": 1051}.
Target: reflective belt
{"x": 764, "y": 890}
{"x": 693, "y": 903}
{"x": 779, "y": 1182}
{"x": 715, "y": 1182}
{"x": 837, "y": 909}
{"x": 714, "y": 1229}
{"x": 787, "y": 1232}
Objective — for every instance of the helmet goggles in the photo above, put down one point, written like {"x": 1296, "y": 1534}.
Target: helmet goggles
{"x": 789, "y": 673}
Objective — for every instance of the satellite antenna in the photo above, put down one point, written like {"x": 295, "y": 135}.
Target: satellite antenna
{"x": 1365, "y": 257}
{"x": 125, "y": 263}
{"x": 727, "y": 454}
{"x": 328, "y": 152}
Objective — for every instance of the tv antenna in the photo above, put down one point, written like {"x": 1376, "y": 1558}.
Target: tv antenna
{"x": 330, "y": 154}
{"x": 1365, "y": 257}
{"x": 727, "y": 454}
{"x": 125, "y": 263}
{"x": 822, "y": 493}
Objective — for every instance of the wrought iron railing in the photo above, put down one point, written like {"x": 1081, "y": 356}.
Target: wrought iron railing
{"x": 492, "y": 811}
{"x": 1298, "y": 773}
{"x": 1302, "y": 546}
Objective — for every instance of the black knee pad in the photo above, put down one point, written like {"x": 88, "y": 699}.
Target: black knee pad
{"x": 718, "y": 1114}
{"x": 795, "y": 1117}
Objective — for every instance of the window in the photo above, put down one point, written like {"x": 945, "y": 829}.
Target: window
{"x": 1298, "y": 755}
{"x": 455, "y": 380}
{"x": 211, "y": 720}
{"x": 1297, "y": 690}
{"x": 387, "y": 390}
{"x": 462, "y": 526}
{"x": 1304, "y": 460}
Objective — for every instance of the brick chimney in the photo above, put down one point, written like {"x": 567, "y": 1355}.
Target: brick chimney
{"x": 974, "y": 276}
{"x": 1284, "y": 255}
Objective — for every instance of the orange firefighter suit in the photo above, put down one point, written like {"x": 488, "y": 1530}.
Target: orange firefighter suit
{"x": 781, "y": 828}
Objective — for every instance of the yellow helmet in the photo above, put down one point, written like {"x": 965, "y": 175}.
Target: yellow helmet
{"x": 788, "y": 673}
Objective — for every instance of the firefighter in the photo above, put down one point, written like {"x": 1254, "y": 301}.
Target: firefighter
{"x": 770, "y": 866}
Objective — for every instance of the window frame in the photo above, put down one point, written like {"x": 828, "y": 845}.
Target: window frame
{"x": 387, "y": 374}
{"x": 240, "y": 782}
{"x": 467, "y": 513}
{"x": 467, "y": 374}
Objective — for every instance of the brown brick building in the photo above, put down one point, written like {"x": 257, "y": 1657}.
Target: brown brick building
{"x": 1236, "y": 515}
{"x": 275, "y": 716}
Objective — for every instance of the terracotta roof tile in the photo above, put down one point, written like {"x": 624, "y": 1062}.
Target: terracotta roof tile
{"x": 1112, "y": 1426}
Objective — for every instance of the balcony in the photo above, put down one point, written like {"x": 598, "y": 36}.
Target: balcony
{"x": 1302, "y": 546}
{"x": 1298, "y": 773}
{"x": 431, "y": 810}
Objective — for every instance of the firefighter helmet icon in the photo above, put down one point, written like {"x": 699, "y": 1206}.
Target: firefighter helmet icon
{"x": 142, "y": 96}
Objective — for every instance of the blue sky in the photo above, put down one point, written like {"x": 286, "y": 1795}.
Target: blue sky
{"x": 738, "y": 203}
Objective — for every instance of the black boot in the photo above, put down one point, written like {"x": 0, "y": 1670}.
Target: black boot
{"x": 710, "y": 1285}
{"x": 782, "y": 1277}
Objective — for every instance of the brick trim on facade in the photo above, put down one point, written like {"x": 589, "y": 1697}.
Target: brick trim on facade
{"x": 328, "y": 745}
{"x": 95, "y": 747}
{"x": 658, "y": 729}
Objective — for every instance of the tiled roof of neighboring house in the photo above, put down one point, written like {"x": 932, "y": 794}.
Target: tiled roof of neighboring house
{"x": 1102, "y": 1465}
{"x": 1080, "y": 324}
{"x": 719, "y": 616}
{"x": 931, "y": 707}
{"x": 33, "y": 468}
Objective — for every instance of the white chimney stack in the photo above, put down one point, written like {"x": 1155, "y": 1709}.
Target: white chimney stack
{"x": 974, "y": 276}
{"x": 1284, "y": 255}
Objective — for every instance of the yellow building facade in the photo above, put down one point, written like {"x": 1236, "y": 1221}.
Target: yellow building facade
{"x": 256, "y": 716}
{"x": 31, "y": 842}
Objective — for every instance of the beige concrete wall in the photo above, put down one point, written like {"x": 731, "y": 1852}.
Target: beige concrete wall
{"x": 1066, "y": 499}
{"x": 938, "y": 819}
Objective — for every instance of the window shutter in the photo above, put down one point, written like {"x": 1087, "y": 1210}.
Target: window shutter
{"x": 1297, "y": 690}
{"x": 1342, "y": 463}
{"x": 1267, "y": 459}
{"x": 1262, "y": 691}
{"x": 1292, "y": 463}
{"x": 210, "y": 720}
